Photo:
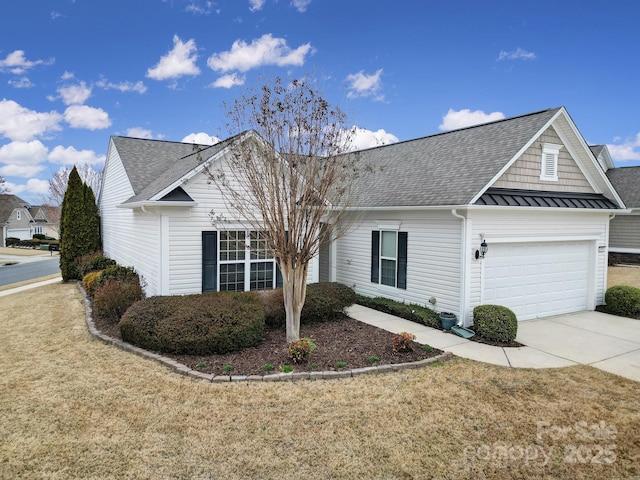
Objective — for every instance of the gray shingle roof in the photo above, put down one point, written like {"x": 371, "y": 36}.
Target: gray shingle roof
{"x": 626, "y": 181}
{"x": 152, "y": 165}
{"x": 7, "y": 204}
{"x": 448, "y": 168}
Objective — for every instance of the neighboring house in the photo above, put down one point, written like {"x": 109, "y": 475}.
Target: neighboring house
{"x": 624, "y": 233}
{"x": 157, "y": 212}
{"x": 19, "y": 219}
{"x": 529, "y": 187}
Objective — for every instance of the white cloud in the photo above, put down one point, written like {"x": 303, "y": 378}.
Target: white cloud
{"x": 181, "y": 60}
{"x": 16, "y": 63}
{"x": 201, "y": 8}
{"x": 82, "y": 116}
{"x": 517, "y": 54}
{"x": 465, "y": 118}
{"x": 228, "y": 81}
{"x": 139, "y": 132}
{"x": 23, "y": 153}
{"x": 626, "y": 151}
{"x": 67, "y": 75}
{"x": 23, "y": 82}
{"x": 201, "y": 138}
{"x": 75, "y": 94}
{"x": 21, "y": 124}
{"x": 138, "y": 87}
{"x": 71, "y": 156}
{"x": 22, "y": 171}
{"x": 265, "y": 50}
{"x": 34, "y": 186}
{"x": 55, "y": 15}
{"x": 363, "y": 85}
{"x": 255, "y": 5}
{"x": 300, "y": 5}
{"x": 362, "y": 138}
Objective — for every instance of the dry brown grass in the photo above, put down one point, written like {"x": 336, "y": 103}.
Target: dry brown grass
{"x": 623, "y": 276}
{"x": 72, "y": 407}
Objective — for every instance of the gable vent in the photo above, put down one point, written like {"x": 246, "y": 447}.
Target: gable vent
{"x": 549, "y": 171}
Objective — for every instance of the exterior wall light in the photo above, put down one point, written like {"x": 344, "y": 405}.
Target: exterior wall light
{"x": 484, "y": 248}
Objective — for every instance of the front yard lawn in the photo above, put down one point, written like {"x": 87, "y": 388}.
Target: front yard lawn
{"x": 73, "y": 407}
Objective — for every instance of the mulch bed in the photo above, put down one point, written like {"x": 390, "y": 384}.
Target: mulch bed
{"x": 344, "y": 340}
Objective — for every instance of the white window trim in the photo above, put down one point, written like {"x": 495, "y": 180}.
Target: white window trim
{"x": 549, "y": 161}
{"x": 395, "y": 259}
{"x": 247, "y": 261}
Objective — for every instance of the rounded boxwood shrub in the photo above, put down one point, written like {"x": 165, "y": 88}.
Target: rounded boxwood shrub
{"x": 495, "y": 322}
{"x": 92, "y": 262}
{"x": 90, "y": 281}
{"x": 113, "y": 297}
{"x": 119, "y": 272}
{"x": 623, "y": 300}
{"x": 209, "y": 323}
{"x": 324, "y": 301}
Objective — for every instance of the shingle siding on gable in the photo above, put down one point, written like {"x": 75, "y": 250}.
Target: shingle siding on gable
{"x": 525, "y": 172}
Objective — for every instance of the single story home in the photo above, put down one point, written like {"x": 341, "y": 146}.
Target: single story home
{"x": 513, "y": 212}
{"x": 19, "y": 219}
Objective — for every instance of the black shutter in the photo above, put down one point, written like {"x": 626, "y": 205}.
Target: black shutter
{"x": 402, "y": 260}
{"x": 375, "y": 256}
{"x": 209, "y": 261}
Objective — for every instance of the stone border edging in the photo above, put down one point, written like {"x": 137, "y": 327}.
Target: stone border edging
{"x": 275, "y": 377}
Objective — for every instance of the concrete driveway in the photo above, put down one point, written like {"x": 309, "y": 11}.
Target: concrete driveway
{"x": 604, "y": 341}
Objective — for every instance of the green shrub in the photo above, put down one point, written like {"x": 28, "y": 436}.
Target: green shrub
{"x": 495, "y": 322}
{"x": 324, "y": 302}
{"x": 92, "y": 262}
{"x": 623, "y": 300}
{"x": 112, "y": 298}
{"x": 408, "y": 311}
{"x": 119, "y": 272}
{"x": 208, "y": 323}
{"x": 90, "y": 281}
{"x": 38, "y": 236}
{"x": 299, "y": 351}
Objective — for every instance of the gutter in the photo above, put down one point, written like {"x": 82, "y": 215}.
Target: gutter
{"x": 463, "y": 267}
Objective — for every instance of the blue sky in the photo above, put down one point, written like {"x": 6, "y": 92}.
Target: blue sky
{"x": 74, "y": 72}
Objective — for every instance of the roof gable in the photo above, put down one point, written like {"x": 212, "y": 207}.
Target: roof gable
{"x": 449, "y": 168}
{"x": 8, "y": 203}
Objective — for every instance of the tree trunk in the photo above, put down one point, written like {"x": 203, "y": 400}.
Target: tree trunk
{"x": 294, "y": 290}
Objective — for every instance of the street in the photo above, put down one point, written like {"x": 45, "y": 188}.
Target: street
{"x": 28, "y": 268}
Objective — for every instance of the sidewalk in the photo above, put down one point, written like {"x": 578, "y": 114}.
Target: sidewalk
{"x": 34, "y": 284}
{"x": 618, "y": 356}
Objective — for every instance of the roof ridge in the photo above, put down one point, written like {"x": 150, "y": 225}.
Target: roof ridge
{"x": 469, "y": 127}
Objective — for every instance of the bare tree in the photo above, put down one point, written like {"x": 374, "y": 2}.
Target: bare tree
{"x": 286, "y": 178}
{"x": 58, "y": 182}
{"x": 3, "y": 187}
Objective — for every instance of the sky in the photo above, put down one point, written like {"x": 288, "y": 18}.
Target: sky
{"x": 75, "y": 72}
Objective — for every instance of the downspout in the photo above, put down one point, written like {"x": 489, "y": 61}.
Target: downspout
{"x": 463, "y": 267}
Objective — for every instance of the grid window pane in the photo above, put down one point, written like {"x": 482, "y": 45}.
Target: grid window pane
{"x": 232, "y": 246}
{"x": 259, "y": 246}
{"x": 388, "y": 248}
{"x": 261, "y": 276}
{"x": 388, "y": 272}
{"x": 232, "y": 277}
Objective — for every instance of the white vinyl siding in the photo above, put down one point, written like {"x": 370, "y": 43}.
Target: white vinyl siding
{"x": 185, "y": 236}
{"x": 625, "y": 233}
{"x": 129, "y": 237}
{"x": 433, "y": 258}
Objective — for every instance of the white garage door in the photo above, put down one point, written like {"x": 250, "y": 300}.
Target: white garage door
{"x": 21, "y": 233}
{"x": 538, "y": 280}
